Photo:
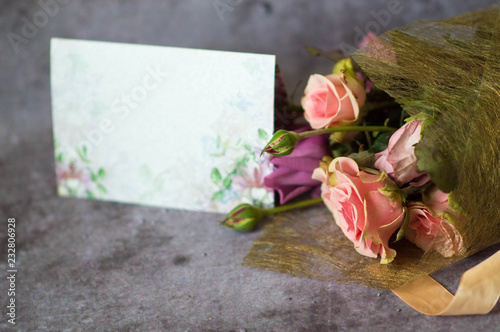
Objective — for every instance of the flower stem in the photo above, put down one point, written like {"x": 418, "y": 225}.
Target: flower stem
{"x": 343, "y": 129}
{"x": 287, "y": 207}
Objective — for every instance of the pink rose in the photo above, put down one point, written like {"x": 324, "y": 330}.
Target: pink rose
{"x": 399, "y": 160}
{"x": 436, "y": 200}
{"x": 429, "y": 231}
{"x": 328, "y": 101}
{"x": 363, "y": 208}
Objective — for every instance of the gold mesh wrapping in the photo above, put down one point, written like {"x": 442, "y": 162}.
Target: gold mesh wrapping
{"x": 308, "y": 244}
{"x": 450, "y": 69}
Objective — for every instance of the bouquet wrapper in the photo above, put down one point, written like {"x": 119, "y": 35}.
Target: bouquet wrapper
{"x": 449, "y": 69}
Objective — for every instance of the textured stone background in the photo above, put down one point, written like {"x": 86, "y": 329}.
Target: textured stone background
{"x": 86, "y": 265}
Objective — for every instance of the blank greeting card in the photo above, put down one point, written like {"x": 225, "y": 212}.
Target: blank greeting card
{"x": 161, "y": 126}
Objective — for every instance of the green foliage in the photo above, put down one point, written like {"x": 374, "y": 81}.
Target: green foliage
{"x": 340, "y": 149}
{"x": 90, "y": 194}
{"x": 227, "y": 182}
{"x": 218, "y": 196}
{"x": 263, "y": 135}
{"x": 101, "y": 188}
{"x": 364, "y": 159}
{"x": 215, "y": 175}
{"x": 437, "y": 164}
{"x": 82, "y": 153}
{"x": 381, "y": 142}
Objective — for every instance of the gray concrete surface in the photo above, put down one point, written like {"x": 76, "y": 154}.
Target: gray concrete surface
{"x": 96, "y": 266}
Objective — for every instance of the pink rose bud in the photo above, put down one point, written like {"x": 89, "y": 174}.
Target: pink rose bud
{"x": 328, "y": 100}
{"x": 282, "y": 143}
{"x": 244, "y": 217}
{"x": 428, "y": 231}
{"x": 399, "y": 160}
{"x": 365, "y": 206}
{"x": 366, "y": 39}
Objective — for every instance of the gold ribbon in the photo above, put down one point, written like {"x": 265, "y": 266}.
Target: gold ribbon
{"x": 477, "y": 293}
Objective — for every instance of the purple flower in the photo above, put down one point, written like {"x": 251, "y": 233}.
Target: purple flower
{"x": 292, "y": 173}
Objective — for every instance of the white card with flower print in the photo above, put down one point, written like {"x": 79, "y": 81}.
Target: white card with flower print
{"x": 161, "y": 126}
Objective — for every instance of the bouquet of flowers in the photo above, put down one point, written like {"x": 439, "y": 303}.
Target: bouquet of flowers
{"x": 403, "y": 149}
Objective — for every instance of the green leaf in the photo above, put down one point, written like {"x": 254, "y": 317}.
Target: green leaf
{"x": 404, "y": 226}
{"x": 340, "y": 149}
{"x": 215, "y": 175}
{"x": 101, "y": 173}
{"x": 93, "y": 176}
{"x": 241, "y": 162}
{"x": 227, "y": 182}
{"x": 381, "y": 142}
{"x": 90, "y": 194}
{"x": 101, "y": 188}
{"x": 247, "y": 147}
{"x": 218, "y": 196}
{"x": 441, "y": 168}
{"x": 84, "y": 149}
{"x": 263, "y": 135}
{"x": 81, "y": 154}
{"x": 364, "y": 159}
{"x": 59, "y": 157}
{"x": 217, "y": 142}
